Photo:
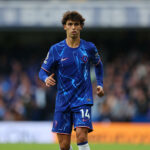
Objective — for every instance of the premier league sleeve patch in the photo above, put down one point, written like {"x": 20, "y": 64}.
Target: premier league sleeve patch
{"x": 45, "y": 61}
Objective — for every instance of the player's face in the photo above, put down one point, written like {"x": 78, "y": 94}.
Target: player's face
{"x": 73, "y": 28}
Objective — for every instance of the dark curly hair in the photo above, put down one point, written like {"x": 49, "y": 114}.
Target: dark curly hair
{"x": 74, "y": 16}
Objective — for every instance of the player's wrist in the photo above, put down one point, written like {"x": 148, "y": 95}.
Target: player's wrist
{"x": 99, "y": 86}
{"x": 45, "y": 79}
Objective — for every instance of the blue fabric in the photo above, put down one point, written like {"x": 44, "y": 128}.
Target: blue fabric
{"x": 80, "y": 117}
{"x": 83, "y": 143}
{"x": 62, "y": 122}
{"x": 99, "y": 73}
{"x": 43, "y": 75}
{"x": 72, "y": 69}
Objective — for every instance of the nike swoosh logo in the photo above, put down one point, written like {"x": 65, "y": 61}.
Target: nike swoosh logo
{"x": 63, "y": 59}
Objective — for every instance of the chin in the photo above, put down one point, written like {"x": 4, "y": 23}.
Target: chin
{"x": 74, "y": 36}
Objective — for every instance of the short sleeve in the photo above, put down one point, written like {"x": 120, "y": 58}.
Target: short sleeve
{"x": 49, "y": 61}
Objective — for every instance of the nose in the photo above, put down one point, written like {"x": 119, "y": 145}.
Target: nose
{"x": 73, "y": 26}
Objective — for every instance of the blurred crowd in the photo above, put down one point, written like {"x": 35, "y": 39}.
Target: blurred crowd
{"x": 22, "y": 95}
{"x": 126, "y": 84}
{"x": 127, "y": 89}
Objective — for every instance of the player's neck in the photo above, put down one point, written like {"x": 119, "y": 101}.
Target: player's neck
{"x": 73, "y": 43}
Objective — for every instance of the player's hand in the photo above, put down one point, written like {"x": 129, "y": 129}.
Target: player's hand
{"x": 100, "y": 91}
{"x": 50, "y": 81}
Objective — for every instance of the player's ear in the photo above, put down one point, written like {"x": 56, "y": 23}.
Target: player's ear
{"x": 81, "y": 27}
{"x": 64, "y": 26}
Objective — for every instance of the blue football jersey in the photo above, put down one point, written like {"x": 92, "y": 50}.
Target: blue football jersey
{"x": 72, "y": 67}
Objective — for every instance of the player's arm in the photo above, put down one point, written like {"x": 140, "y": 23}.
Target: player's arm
{"x": 47, "y": 68}
{"x": 98, "y": 71}
{"x": 49, "y": 80}
{"x": 99, "y": 76}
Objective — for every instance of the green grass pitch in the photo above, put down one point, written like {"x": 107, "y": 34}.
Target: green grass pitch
{"x": 56, "y": 147}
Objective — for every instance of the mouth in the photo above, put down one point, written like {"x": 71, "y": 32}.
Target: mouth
{"x": 74, "y": 32}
